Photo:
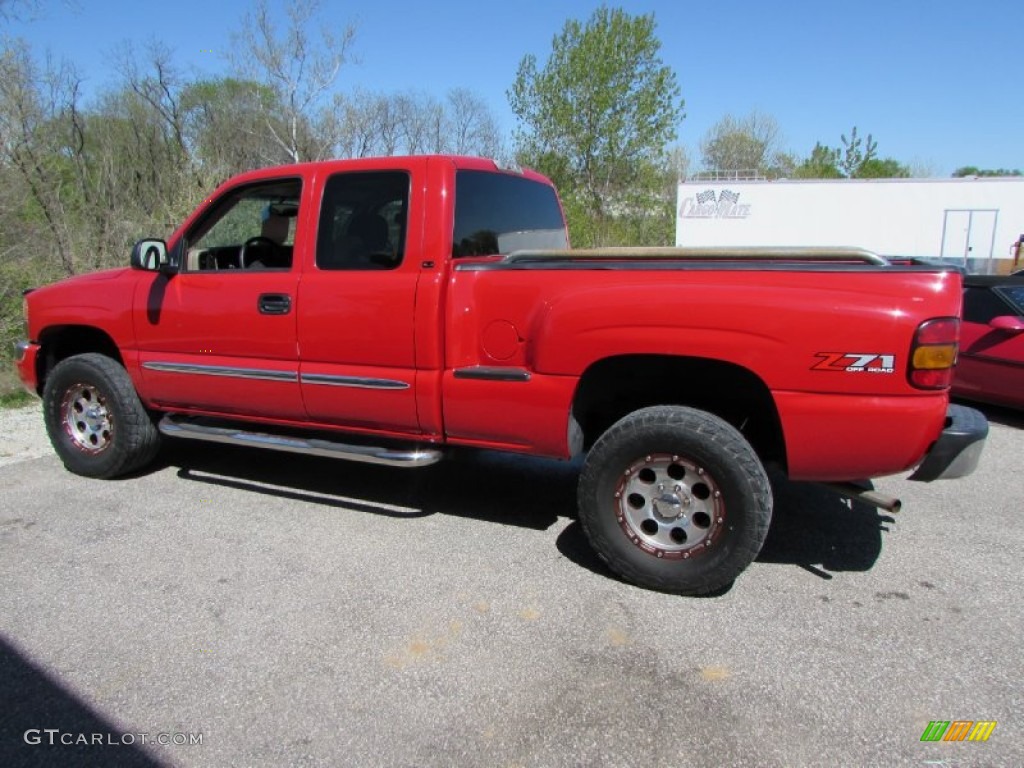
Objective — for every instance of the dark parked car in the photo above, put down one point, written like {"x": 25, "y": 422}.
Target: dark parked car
{"x": 991, "y": 365}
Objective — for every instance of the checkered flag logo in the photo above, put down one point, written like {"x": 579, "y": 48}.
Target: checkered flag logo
{"x": 706, "y": 197}
{"x": 727, "y": 196}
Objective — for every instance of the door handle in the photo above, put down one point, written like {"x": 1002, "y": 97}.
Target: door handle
{"x": 274, "y": 304}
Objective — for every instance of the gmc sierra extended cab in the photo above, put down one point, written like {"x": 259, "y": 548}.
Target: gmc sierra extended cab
{"x": 382, "y": 309}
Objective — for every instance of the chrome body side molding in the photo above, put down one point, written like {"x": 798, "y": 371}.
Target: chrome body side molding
{"x": 261, "y": 374}
{"x": 492, "y": 373}
{"x": 359, "y": 382}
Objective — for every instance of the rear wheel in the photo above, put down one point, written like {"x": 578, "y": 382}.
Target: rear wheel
{"x": 94, "y": 418}
{"x": 675, "y": 499}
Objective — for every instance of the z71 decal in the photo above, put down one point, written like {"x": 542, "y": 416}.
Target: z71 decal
{"x": 855, "y": 362}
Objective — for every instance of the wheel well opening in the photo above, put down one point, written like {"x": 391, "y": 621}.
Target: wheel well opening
{"x": 62, "y": 342}
{"x": 613, "y": 388}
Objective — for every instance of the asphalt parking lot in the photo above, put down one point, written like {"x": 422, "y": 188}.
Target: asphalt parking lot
{"x": 291, "y": 611}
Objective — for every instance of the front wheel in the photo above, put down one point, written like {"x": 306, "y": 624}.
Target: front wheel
{"x": 94, "y": 418}
{"x": 675, "y": 499}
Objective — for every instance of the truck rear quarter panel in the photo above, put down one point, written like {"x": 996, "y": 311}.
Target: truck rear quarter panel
{"x": 795, "y": 328}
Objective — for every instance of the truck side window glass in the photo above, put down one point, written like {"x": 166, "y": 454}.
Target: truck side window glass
{"x": 981, "y": 305}
{"x": 362, "y": 221}
{"x": 497, "y": 213}
{"x": 248, "y": 229}
{"x": 1014, "y": 294}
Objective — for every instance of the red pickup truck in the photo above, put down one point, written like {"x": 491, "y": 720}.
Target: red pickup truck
{"x": 383, "y": 309}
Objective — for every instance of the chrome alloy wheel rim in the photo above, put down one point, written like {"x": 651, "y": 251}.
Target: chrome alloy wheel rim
{"x": 87, "y": 421}
{"x": 669, "y": 507}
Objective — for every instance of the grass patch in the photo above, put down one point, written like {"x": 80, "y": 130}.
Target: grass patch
{"x": 16, "y": 399}
{"x": 12, "y": 394}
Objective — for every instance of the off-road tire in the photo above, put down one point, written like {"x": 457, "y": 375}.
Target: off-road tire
{"x": 675, "y": 499}
{"x": 94, "y": 418}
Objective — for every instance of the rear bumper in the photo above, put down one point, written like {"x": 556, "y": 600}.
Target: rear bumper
{"x": 958, "y": 449}
{"x": 25, "y": 353}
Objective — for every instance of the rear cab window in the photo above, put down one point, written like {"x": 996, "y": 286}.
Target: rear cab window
{"x": 498, "y": 213}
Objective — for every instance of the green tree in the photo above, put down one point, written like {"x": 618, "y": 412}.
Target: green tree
{"x": 39, "y": 134}
{"x": 973, "y": 170}
{"x": 597, "y": 117}
{"x": 748, "y": 144}
{"x": 888, "y": 168}
{"x": 856, "y": 160}
{"x": 224, "y": 126}
{"x": 783, "y": 166}
{"x": 855, "y": 153}
{"x": 823, "y": 163}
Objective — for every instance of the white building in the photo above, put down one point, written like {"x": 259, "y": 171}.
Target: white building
{"x": 973, "y": 222}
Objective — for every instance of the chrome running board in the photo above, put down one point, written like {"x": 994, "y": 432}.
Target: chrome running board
{"x": 182, "y": 426}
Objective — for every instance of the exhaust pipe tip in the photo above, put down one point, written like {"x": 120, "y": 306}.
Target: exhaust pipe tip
{"x": 867, "y": 496}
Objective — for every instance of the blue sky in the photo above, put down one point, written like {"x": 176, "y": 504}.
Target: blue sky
{"x": 938, "y": 84}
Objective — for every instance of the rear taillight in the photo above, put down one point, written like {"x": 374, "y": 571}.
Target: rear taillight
{"x": 933, "y": 353}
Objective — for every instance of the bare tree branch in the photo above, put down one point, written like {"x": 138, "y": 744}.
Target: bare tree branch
{"x": 297, "y": 72}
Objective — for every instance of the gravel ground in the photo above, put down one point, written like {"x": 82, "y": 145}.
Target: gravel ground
{"x": 25, "y": 435}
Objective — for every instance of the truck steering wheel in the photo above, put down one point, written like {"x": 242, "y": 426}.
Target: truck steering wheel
{"x": 254, "y": 244}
